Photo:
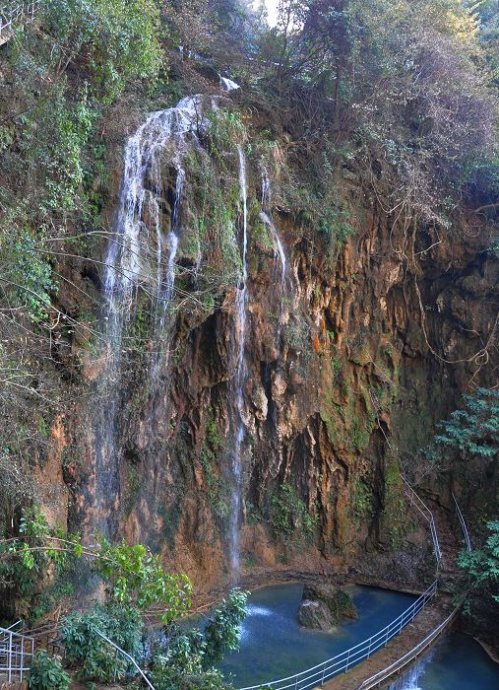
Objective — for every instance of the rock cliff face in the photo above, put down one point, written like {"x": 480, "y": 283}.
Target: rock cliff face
{"x": 353, "y": 350}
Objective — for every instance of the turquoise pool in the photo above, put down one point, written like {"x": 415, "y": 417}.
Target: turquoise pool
{"x": 273, "y": 645}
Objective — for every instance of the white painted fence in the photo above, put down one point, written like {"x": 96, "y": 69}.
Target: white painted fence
{"x": 16, "y": 654}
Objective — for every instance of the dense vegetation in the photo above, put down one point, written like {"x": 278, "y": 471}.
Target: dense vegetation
{"x": 404, "y": 94}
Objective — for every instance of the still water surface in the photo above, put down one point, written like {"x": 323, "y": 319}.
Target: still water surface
{"x": 456, "y": 663}
{"x": 273, "y": 645}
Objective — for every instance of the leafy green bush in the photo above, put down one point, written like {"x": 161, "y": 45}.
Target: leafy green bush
{"x": 31, "y": 278}
{"x": 119, "y": 39}
{"x": 94, "y": 657}
{"x": 25, "y": 560}
{"x": 223, "y": 632}
{"x": 474, "y": 430}
{"x": 47, "y": 673}
{"x": 482, "y": 565}
{"x": 191, "y": 655}
{"x": 168, "y": 678}
{"x": 135, "y": 577}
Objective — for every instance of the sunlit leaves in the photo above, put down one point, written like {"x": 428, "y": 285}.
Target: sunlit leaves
{"x": 134, "y": 576}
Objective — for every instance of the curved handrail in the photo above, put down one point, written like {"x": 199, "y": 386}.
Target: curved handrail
{"x": 408, "y": 657}
{"x": 428, "y": 516}
{"x": 463, "y": 524}
{"x": 344, "y": 660}
{"x": 127, "y": 656}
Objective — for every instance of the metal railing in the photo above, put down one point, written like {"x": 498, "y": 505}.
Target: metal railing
{"x": 422, "y": 646}
{"x": 14, "y": 13}
{"x": 463, "y": 524}
{"x": 16, "y": 654}
{"x": 317, "y": 675}
{"x": 428, "y": 516}
{"x": 405, "y": 660}
{"x": 128, "y": 657}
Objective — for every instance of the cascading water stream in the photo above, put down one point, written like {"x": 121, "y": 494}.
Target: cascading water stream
{"x": 240, "y": 379}
{"x": 129, "y": 263}
{"x": 228, "y": 85}
{"x": 266, "y": 218}
{"x": 411, "y": 680}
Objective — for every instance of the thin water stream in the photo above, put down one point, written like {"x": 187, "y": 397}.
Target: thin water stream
{"x": 240, "y": 379}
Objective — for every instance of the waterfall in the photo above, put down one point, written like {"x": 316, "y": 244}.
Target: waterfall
{"x": 278, "y": 246}
{"x": 411, "y": 679}
{"x": 266, "y": 218}
{"x": 240, "y": 379}
{"x": 228, "y": 84}
{"x": 129, "y": 264}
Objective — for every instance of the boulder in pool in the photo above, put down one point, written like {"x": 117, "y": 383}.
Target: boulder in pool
{"x": 323, "y": 606}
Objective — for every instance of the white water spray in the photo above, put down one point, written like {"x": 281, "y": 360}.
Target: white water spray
{"x": 412, "y": 679}
{"x": 228, "y": 85}
{"x": 266, "y": 218}
{"x": 240, "y": 379}
{"x": 129, "y": 264}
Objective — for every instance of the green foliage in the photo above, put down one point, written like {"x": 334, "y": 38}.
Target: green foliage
{"x": 362, "y": 499}
{"x": 134, "y": 576}
{"x": 168, "y": 678}
{"x": 289, "y": 515}
{"x": 218, "y": 489}
{"x": 226, "y": 129}
{"x": 26, "y": 559}
{"x": 94, "y": 657}
{"x": 118, "y": 38}
{"x": 474, "y": 430}
{"x": 31, "y": 278}
{"x": 46, "y": 673}
{"x": 482, "y": 565}
{"x": 192, "y": 654}
{"x": 71, "y": 130}
{"x": 223, "y": 632}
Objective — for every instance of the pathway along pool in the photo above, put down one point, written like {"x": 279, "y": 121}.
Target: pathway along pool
{"x": 456, "y": 663}
{"x": 273, "y": 645}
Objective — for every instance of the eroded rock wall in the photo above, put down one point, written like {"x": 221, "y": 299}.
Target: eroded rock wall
{"x": 351, "y": 361}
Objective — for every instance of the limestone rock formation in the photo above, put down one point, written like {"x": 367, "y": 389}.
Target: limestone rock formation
{"x": 323, "y": 606}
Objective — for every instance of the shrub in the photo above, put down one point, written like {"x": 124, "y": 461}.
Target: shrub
{"x": 93, "y": 655}
{"x": 47, "y": 673}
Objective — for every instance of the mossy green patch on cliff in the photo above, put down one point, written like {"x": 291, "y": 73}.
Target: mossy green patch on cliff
{"x": 213, "y": 210}
{"x": 212, "y": 450}
{"x": 290, "y": 518}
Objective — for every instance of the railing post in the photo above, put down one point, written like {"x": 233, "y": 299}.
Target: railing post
{"x": 348, "y": 661}
{"x": 22, "y": 661}
{"x": 323, "y": 675}
{"x": 9, "y": 663}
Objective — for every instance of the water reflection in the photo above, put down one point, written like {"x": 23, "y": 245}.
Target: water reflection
{"x": 457, "y": 663}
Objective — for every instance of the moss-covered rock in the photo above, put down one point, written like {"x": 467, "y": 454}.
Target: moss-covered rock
{"x": 323, "y": 606}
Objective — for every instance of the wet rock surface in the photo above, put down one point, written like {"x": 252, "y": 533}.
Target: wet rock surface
{"x": 323, "y": 606}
